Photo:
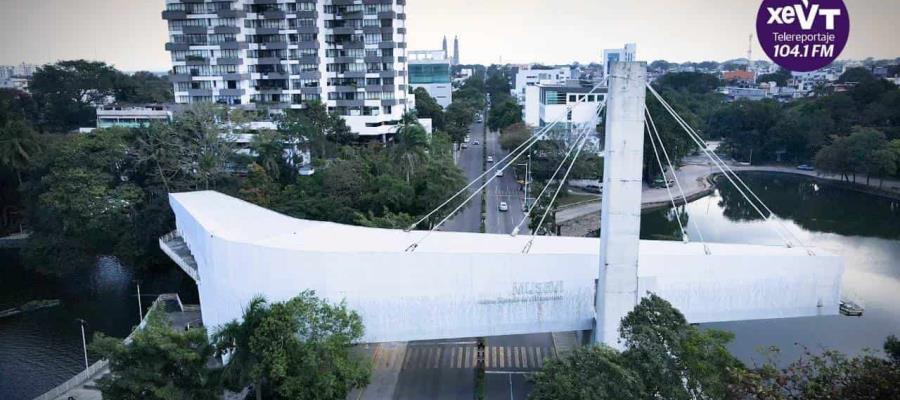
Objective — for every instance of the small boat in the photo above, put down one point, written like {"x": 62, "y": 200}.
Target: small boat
{"x": 851, "y": 309}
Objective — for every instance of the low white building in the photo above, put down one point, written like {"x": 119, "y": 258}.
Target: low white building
{"x": 531, "y": 77}
{"x": 132, "y": 116}
{"x": 430, "y": 70}
{"x": 545, "y": 103}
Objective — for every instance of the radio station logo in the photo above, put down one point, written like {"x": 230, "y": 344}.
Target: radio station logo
{"x": 803, "y": 35}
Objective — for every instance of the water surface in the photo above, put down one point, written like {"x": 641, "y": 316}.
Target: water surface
{"x": 864, "y": 229}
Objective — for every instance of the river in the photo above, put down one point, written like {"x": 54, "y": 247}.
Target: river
{"x": 41, "y": 349}
{"x": 864, "y": 229}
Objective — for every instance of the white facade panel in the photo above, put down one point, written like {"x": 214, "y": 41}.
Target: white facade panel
{"x": 470, "y": 284}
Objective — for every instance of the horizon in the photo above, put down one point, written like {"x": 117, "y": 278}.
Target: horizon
{"x": 131, "y": 35}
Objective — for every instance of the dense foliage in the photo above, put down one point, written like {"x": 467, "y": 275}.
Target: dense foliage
{"x": 298, "y": 349}
{"x": 664, "y": 358}
{"x": 68, "y": 92}
{"x": 159, "y": 363}
{"x": 797, "y": 131}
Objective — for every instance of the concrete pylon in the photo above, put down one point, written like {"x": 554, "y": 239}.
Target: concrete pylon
{"x": 620, "y": 214}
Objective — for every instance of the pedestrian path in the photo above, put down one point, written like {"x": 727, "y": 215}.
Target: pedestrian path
{"x": 458, "y": 356}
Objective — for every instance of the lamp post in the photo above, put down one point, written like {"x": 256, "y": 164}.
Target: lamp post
{"x": 140, "y": 306}
{"x": 83, "y": 341}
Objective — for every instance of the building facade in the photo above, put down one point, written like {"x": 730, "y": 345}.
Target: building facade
{"x": 430, "y": 70}
{"x": 530, "y": 77}
{"x": 132, "y": 116}
{"x": 612, "y": 56}
{"x": 281, "y": 54}
{"x": 545, "y": 103}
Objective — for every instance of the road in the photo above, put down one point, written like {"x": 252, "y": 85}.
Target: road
{"x": 471, "y": 162}
{"x": 445, "y": 369}
{"x": 503, "y": 189}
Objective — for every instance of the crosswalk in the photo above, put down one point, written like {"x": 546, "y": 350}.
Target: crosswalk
{"x": 495, "y": 357}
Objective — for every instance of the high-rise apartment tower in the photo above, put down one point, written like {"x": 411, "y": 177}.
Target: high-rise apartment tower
{"x": 281, "y": 54}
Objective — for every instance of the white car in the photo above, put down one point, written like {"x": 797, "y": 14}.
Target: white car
{"x": 490, "y": 159}
{"x": 504, "y": 206}
{"x": 500, "y": 172}
{"x": 465, "y": 145}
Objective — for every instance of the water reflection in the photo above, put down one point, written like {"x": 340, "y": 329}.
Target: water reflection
{"x": 864, "y": 229}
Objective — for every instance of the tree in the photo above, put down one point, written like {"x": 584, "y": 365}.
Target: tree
{"x": 588, "y": 373}
{"x": 193, "y": 152}
{"x": 504, "y": 112}
{"x": 143, "y": 87}
{"x": 298, "y": 349}
{"x": 411, "y": 147}
{"x": 18, "y": 147}
{"x": 158, "y": 363}
{"x": 691, "y": 82}
{"x": 317, "y": 126}
{"x": 68, "y": 92}
{"x": 827, "y": 375}
{"x": 514, "y": 136}
{"x": 458, "y": 118}
{"x": 428, "y": 107}
{"x": 664, "y": 358}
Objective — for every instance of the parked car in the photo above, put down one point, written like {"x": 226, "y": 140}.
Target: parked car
{"x": 806, "y": 167}
{"x": 503, "y": 206}
{"x": 490, "y": 159}
{"x": 476, "y": 143}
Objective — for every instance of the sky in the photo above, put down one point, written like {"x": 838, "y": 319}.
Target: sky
{"x": 131, "y": 34}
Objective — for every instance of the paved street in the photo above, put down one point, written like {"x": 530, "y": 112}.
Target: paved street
{"x": 503, "y": 189}
{"x": 470, "y": 161}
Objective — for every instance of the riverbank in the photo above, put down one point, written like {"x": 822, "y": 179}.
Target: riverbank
{"x": 697, "y": 181}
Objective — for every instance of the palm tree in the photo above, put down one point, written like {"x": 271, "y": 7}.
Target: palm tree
{"x": 412, "y": 144}
{"x": 18, "y": 146}
{"x": 233, "y": 341}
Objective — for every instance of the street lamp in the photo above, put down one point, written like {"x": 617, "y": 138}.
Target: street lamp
{"x": 83, "y": 341}
{"x": 140, "y": 306}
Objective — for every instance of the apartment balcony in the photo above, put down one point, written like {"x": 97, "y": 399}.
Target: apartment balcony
{"x": 194, "y": 30}
{"x": 401, "y": 31}
{"x": 180, "y": 77}
{"x": 231, "y": 92}
{"x": 273, "y": 14}
{"x": 349, "y": 15}
{"x": 231, "y": 14}
{"x": 229, "y": 61}
{"x": 227, "y": 30}
{"x": 308, "y": 14}
{"x": 171, "y": 15}
{"x": 193, "y": 60}
{"x": 200, "y": 92}
{"x": 344, "y": 30}
{"x": 389, "y": 102}
{"x": 311, "y": 90}
{"x": 387, "y": 74}
{"x": 177, "y": 46}
{"x": 273, "y": 46}
{"x": 387, "y": 15}
{"x": 350, "y": 103}
{"x": 233, "y": 45}
{"x": 387, "y": 45}
{"x": 269, "y": 60}
{"x": 268, "y": 31}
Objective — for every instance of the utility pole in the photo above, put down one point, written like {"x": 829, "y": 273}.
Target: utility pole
{"x": 140, "y": 306}
{"x": 620, "y": 211}
{"x": 83, "y": 341}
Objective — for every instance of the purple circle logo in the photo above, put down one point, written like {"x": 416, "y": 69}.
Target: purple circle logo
{"x": 803, "y": 35}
